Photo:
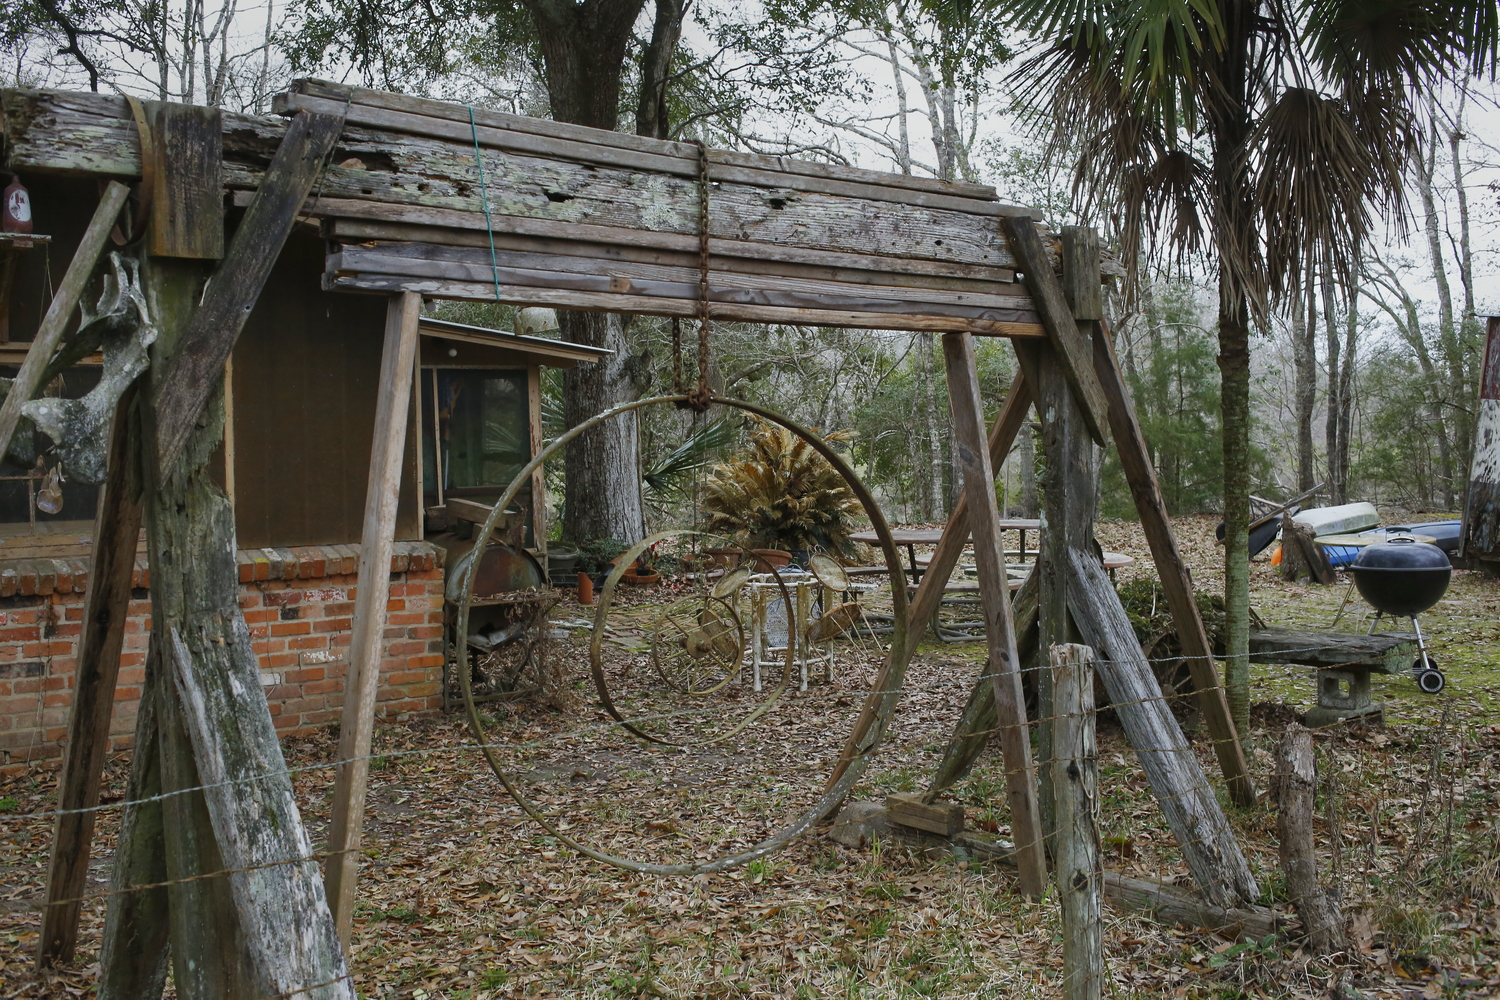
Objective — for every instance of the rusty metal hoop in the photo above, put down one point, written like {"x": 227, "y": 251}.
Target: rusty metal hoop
{"x": 880, "y": 704}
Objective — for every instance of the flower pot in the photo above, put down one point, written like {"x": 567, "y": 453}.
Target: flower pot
{"x": 642, "y": 579}
{"x": 766, "y": 559}
{"x": 561, "y": 561}
{"x": 722, "y": 558}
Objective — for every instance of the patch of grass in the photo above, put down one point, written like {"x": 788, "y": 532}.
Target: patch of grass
{"x": 9, "y": 804}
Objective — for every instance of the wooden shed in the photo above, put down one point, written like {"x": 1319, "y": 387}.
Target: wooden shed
{"x": 295, "y": 459}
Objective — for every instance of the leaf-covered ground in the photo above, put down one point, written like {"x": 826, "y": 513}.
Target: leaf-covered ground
{"x": 464, "y": 896}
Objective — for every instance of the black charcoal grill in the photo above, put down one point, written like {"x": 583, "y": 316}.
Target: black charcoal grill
{"x": 1402, "y": 578}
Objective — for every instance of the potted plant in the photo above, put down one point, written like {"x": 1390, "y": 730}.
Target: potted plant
{"x": 598, "y": 556}
{"x": 780, "y": 496}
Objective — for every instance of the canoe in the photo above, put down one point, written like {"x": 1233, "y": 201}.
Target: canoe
{"x": 1345, "y": 519}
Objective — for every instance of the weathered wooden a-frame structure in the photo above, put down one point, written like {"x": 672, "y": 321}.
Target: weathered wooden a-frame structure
{"x": 427, "y": 199}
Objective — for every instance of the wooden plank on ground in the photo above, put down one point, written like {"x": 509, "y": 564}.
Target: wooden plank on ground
{"x": 60, "y": 310}
{"x": 1172, "y": 571}
{"x": 376, "y": 544}
{"x": 1057, "y": 319}
{"x": 197, "y": 364}
{"x": 117, "y": 527}
{"x": 1005, "y": 669}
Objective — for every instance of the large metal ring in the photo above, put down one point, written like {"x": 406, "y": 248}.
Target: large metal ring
{"x": 879, "y": 707}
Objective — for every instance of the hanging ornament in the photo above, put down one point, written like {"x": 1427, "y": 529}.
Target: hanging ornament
{"x": 16, "y": 214}
{"x": 49, "y": 499}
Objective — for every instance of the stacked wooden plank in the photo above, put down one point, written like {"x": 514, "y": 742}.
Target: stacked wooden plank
{"x": 590, "y": 219}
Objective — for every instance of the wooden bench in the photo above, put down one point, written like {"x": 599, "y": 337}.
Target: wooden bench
{"x": 1342, "y": 664}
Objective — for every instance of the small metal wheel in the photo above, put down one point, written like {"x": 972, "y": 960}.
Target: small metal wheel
{"x": 1431, "y": 681}
{"x": 697, "y": 645}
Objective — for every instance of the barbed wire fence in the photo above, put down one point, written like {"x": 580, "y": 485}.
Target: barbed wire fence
{"x": 1435, "y": 814}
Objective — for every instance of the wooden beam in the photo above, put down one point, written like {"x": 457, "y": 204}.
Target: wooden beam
{"x": 60, "y": 311}
{"x": 197, "y": 363}
{"x": 622, "y": 302}
{"x": 1181, "y": 789}
{"x": 117, "y": 528}
{"x": 989, "y": 555}
{"x": 1057, "y": 319}
{"x": 687, "y": 152}
{"x": 344, "y": 222}
{"x": 1172, "y": 571}
{"x": 373, "y": 591}
{"x": 950, "y": 547}
{"x": 187, "y": 207}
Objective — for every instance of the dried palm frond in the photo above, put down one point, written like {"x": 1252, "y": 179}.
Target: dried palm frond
{"x": 781, "y": 494}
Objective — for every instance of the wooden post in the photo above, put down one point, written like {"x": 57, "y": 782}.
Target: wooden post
{"x": 133, "y": 960}
{"x": 117, "y": 529}
{"x": 1295, "y": 784}
{"x": 994, "y": 592}
{"x": 373, "y": 592}
{"x": 1075, "y": 778}
{"x": 950, "y": 547}
{"x": 60, "y": 311}
{"x": 264, "y": 928}
{"x": 1172, "y": 571}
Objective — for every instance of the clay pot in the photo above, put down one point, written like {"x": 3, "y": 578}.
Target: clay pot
{"x": 765, "y": 559}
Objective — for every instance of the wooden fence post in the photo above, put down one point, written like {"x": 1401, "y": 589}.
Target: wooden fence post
{"x": 1075, "y": 782}
{"x": 373, "y": 592}
{"x": 1295, "y": 783}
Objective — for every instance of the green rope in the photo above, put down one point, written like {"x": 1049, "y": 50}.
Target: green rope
{"x": 484, "y": 197}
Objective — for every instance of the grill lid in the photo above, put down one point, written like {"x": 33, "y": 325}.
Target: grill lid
{"x": 1401, "y": 554}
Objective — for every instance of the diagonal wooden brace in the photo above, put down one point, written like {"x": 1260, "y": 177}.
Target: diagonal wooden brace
{"x": 1073, "y": 351}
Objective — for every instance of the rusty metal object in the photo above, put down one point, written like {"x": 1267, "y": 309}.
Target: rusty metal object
{"x": 884, "y": 697}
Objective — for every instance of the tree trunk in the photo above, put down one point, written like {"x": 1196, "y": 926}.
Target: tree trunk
{"x": 1305, "y": 390}
{"x": 1337, "y": 488}
{"x": 1235, "y": 233}
{"x": 603, "y": 464}
{"x": 1026, "y": 456}
{"x": 1234, "y": 401}
{"x": 1455, "y": 391}
{"x": 933, "y": 508}
{"x": 1340, "y": 468}
{"x": 651, "y": 117}
{"x": 584, "y": 47}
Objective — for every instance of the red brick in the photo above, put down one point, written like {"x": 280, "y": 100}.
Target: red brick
{"x": 279, "y": 598}
{"x": 291, "y": 628}
{"x": 261, "y": 615}
{"x": 20, "y": 634}
{"x": 397, "y": 677}
{"x": 305, "y": 674}
{"x": 395, "y": 604}
{"x": 426, "y": 632}
{"x": 276, "y": 660}
{"x": 308, "y": 642}
{"x": 322, "y": 687}
{"x": 338, "y": 608}
{"x": 435, "y": 660}
{"x": 333, "y": 625}
{"x": 405, "y": 618}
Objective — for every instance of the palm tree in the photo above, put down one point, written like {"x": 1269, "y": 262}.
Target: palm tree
{"x": 1265, "y": 136}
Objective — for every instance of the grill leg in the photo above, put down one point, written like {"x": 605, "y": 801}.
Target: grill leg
{"x": 1421, "y": 643}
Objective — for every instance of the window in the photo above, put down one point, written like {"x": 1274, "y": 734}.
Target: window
{"x": 483, "y": 433}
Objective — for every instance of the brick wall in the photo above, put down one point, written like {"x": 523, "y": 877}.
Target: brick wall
{"x": 298, "y": 603}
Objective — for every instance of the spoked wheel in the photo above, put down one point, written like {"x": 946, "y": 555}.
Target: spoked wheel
{"x": 697, "y": 645}
{"x": 507, "y": 669}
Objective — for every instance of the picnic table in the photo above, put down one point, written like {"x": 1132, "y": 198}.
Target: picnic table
{"x": 912, "y": 537}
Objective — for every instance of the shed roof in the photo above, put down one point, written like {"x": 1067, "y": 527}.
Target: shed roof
{"x": 553, "y": 353}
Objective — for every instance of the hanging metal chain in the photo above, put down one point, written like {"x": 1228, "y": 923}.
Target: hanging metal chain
{"x": 701, "y": 396}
